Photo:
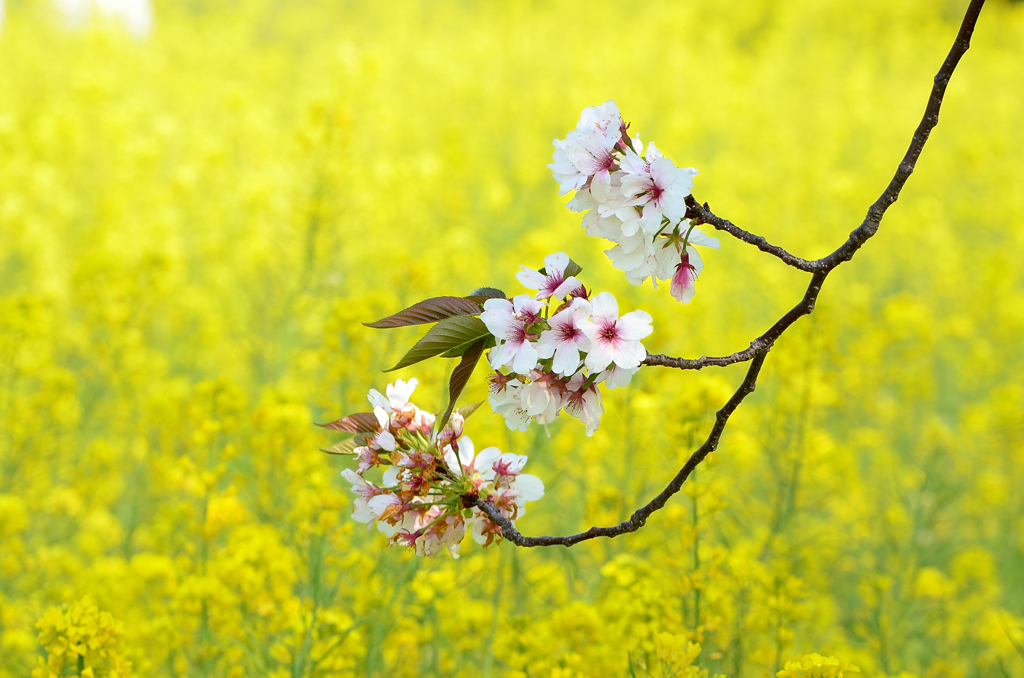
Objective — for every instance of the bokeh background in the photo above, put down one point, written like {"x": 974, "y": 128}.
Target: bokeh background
{"x": 195, "y": 217}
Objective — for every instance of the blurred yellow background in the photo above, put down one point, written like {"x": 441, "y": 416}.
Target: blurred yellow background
{"x": 194, "y": 223}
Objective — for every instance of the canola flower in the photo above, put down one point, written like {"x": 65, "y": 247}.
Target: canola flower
{"x": 82, "y": 640}
{"x": 816, "y": 666}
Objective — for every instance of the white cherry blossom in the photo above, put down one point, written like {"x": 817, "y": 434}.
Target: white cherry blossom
{"x": 614, "y": 339}
{"x": 542, "y": 398}
{"x": 509, "y": 322}
{"x": 632, "y": 196}
{"x": 398, "y": 394}
{"x": 383, "y": 439}
{"x": 586, "y": 154}
{"x": 604, "y": 117}
{"x": 590, "y": 152}
{"x": 552, "y": 283}
{"x": 364, "y": 491}
{"x": 657, "y": 186}
{"x": 565, "y": 338}
{"x": 617, "y": 377}
{"x": 569, "y": 178}
{"x": 584, "y": 403}
{"x": 507, "y": 403}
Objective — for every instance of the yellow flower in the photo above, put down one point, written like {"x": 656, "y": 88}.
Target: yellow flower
{"x": 81, "y": 638}
{"x": 816, "y": 666}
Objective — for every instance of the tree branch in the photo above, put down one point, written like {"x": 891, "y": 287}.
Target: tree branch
{"x": 639, "y": 518}
{"x": 758, "y": 349}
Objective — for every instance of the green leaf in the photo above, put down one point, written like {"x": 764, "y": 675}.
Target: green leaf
{"x": 467, "y": 410}
{"x": 346, "y": 446}
{"x": 484, "y": 293}
{"x": 429, "y": 311}
{"x": 460, "y": 377}
{"x": 460, "y": 351}
{"x": 361, "y": 422}
{"x": 450, "y": 335}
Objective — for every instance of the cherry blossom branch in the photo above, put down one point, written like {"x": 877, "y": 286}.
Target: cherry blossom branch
{"x": 758, "y": 349}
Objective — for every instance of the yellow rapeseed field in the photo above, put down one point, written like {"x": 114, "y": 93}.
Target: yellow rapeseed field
{"x": 194, "y": 224}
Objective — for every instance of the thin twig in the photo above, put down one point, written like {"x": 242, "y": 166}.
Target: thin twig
{"x": 762, "y": 343}
{"x": 758, "y": 349}
{"x": 702, "y": 214}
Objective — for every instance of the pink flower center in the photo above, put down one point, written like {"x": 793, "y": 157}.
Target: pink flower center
{"x": 655, "y": 191}
{"x": 517, "y": 335}
{"x": 575, "y": 404}
{"x": 569, "y": 332}
{"x": 552, "y": 283}
{"x": 503, "y": 468}
{"x": 608, "y": 332}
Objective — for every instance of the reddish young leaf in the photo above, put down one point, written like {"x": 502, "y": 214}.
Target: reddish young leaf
{"x": 460, "y": 377}
{"x": 428, "y": 311}
{"x": 361, "y": 422}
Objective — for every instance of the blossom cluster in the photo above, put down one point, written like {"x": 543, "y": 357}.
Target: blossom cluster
{"x": 635, "y": 199}
{"x": 83, "y": 639}
{"x": 556, "y": 360}
{"x": 425, "y": 500}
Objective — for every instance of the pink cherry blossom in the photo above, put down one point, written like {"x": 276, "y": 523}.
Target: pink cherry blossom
{"x": 509, "y": 322}
{"x": 505, "y": 468}
{"x": 614, "y": 339}
{"x": 584, "y": 403}
{"x": 566, "y": 338}
{"x": 690, "y": 265}
{"x": 682, "y": 281}
{"x": 590, "y": 152}
{"x": 554, "y": 282}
